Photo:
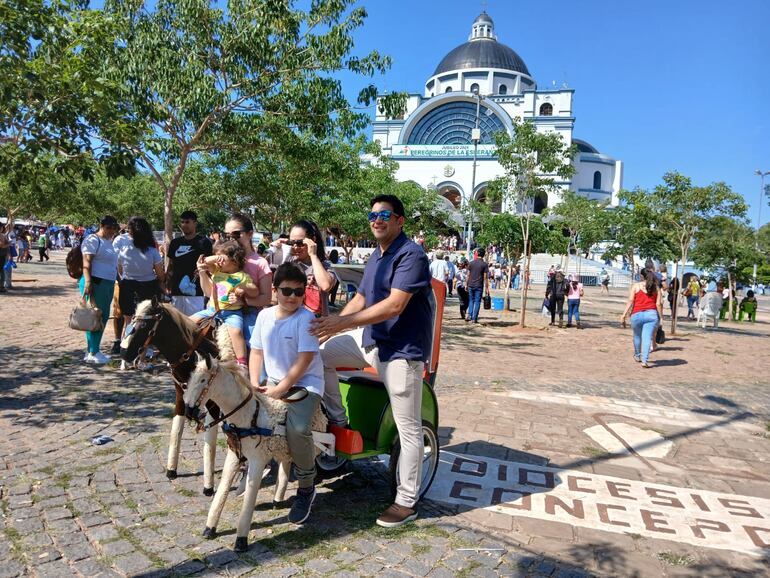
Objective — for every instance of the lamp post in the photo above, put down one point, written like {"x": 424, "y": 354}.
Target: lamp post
{"x": 762, "y": 175}
{"x": 475, "y": 137}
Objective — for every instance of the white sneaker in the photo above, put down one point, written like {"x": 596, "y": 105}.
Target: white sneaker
{"x": 99, "y": 358}
{"x": 88, "y": 358}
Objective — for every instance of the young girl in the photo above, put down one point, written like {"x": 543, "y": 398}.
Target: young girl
{"x": 574, "y": 294}
{"x": 223, "y": 278}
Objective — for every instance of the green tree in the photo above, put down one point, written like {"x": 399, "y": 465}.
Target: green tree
{"x": 584, "y": 219}
{"x": 50, "y": 95}
{"x": 683, "y": 209}
{"x": 635, "y": 227}
{"x": 198, "y": 79}
{"x": 729, "y": 245}
{"x": 532, "y": 162}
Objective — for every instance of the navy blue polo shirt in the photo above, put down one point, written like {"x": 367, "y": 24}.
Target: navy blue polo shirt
{"x": 403, "y": 266}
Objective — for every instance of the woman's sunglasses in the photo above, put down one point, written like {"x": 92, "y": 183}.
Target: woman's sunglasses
{"x": 296, "y": 243}
{"x": 233, "y": 235}
{"x": 287, "y": 291}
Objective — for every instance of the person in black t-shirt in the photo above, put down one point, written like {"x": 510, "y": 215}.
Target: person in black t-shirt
{"x": 183, "y": 253}
{"x": 478, "y": 281}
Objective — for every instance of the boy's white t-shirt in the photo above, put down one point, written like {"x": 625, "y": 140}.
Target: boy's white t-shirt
{"x": 282, "y": 339}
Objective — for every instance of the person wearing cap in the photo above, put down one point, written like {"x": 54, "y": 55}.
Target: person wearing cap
{"x": 100, "y": 269}
{"x": 387, "y": 326}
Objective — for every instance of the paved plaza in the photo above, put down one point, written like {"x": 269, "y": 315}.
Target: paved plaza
{"x": 560, "y": 457}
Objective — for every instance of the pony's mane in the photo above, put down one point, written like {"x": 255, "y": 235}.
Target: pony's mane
{"x": 232, "y": 367}
{"x": 187, "y": 326}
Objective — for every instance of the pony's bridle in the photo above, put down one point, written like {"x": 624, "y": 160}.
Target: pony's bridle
{"x": 156, "y": 317}
{"x": 193, "y": 411}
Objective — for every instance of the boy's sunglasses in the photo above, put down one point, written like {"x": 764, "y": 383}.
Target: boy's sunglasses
{"x": 383, "y": 215}
{"x": 287, "y": 291}
{"x": 233, "y": 235}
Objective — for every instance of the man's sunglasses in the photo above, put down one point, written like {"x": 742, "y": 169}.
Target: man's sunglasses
{"x": 287, "y": 291}
{"x": 234, "y": 235}
{"x": 382, "y": 215}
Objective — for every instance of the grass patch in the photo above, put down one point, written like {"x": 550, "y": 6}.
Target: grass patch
{"x": 71, "y": 507}
{"x": 673, "y": 559}
{"x": 593, "y": 452}
{"x": 222, "y": 443}
{"x": 468, "y": 570}
{"x": 131, "y": 504}
{"x": 13, "y": 535}
{"x": 63, "y": 480}
{"x": 418, "y": 549}
{"x": 156, "y": 441}
{"x": 112, "y": 450}
{"x": 634, "y": 536}
{"x": 157, "y": 514}
{"x": 186, "y": 493}
{"x": 47, "y": 470}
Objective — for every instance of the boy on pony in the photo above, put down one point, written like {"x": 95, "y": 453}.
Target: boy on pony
{"x": 223, "y": 271}
{"x": 281, "y": 338}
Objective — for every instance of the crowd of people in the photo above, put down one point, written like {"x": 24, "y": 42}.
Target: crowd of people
{"x": 272, "y": 296}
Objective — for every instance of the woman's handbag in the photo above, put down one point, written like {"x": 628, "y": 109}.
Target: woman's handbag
{"x": 660, "y": 336}
{"x": 487, "y": 301}
{"x": 86, "y": 317}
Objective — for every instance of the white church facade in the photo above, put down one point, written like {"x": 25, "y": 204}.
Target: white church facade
{"x": 486, "y": 79}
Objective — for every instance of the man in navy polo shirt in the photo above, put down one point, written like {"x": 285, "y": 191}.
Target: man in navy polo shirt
{"x": 388, "y": 326}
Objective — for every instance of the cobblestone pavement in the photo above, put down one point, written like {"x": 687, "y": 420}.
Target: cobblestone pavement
{"x": 70, "y": 508}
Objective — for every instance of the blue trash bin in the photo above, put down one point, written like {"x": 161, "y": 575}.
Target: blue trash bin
{"x": 497, "y": 303}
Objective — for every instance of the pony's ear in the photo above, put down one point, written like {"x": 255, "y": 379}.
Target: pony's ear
{"x": 209, "y": 361}
{"x": 198, "y": 358}
{"x": 155, "y": 301}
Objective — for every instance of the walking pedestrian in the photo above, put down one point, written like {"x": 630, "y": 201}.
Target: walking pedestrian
{"x": 574, "y": 293}
{"x": 462, "y": 287}
{"x": 645, "y": 306}
{"x": 5, "y": 245}
{"x": 605, "y": 279}
{"x": 452, "y": 273}
{"x": 555, "y": 292}
{"x": 100, "y": 269}
{"x": 478, "y": 281}
{"x": 140, "y": 267}
{"x": 42, "y": 246}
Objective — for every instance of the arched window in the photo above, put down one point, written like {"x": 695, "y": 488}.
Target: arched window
{"x": 475, "y": 88}
{"x": 503, "y": 89}
{"x": 597, "y": 180}
{"x": 546, "y": 109}
{"x": 448, "y": 89}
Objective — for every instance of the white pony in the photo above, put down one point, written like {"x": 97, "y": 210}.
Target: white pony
{"x": 252, "y": 418}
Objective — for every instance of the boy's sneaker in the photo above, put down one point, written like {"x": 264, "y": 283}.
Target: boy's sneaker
{"x": 396, "y": 515}
{"x": 99, "y": 358}
{"x": 300, "y": 509}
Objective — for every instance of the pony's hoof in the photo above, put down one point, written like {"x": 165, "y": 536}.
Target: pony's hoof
{"x": 171, "y": 474}
{"x": 208, "y": 492}
{"x": 209, "y": 533}
{"x": 241, "y": 544}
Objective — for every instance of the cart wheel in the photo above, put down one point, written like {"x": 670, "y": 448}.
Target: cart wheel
{"x": 329, "y": 467}
{"x": 429, "y": 459}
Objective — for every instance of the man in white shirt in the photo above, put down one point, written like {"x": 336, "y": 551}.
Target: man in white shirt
{"x": 439, "y": 268}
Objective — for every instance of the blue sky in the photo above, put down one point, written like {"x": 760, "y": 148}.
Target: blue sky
{"x": 662, "y": 85}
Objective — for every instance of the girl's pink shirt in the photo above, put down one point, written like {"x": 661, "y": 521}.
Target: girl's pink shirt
{"x": 574, "y": 293}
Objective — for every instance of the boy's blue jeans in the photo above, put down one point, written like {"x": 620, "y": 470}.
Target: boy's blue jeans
{"x": 644, "y": 324}
{"x": 573, "y": 308}
{"x": 474, "y": 295}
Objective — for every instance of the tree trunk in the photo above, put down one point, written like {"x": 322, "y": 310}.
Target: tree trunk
{"x": 509, "y": 258}
{"x": 168, "y": 216}
{"x": 675, "y": 313}
{"x": 731, "y": 289}
{"x": 523, "y": 315}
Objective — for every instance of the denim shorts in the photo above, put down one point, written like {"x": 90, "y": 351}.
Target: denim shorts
{"x": 232, "y": 318}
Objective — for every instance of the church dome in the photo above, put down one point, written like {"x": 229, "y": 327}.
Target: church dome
{"x": 482, "y": 51}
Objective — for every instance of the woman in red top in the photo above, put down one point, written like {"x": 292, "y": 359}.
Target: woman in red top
{"x": 646, "y": 310}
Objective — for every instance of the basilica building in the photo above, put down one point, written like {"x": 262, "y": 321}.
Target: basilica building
{"x": 485, "y": 83}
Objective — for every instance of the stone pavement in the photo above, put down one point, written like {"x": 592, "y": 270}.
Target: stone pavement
{"x": 564, "y": 481}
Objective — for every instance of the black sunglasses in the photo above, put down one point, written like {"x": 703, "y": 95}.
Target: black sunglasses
{"x": 287, "y": 291}
{"x": 234, "y": 235}
{"x": 296, "y": 243}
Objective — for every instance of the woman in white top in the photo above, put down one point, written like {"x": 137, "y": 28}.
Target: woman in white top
{"x": 140, "y": 266}
{"x": 100, "y": 267}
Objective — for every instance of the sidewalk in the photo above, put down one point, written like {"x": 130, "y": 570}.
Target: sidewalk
{"x": 545, "y": 470}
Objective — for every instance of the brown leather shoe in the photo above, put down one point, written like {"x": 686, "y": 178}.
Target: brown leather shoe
{"x": 396, "y": 515}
